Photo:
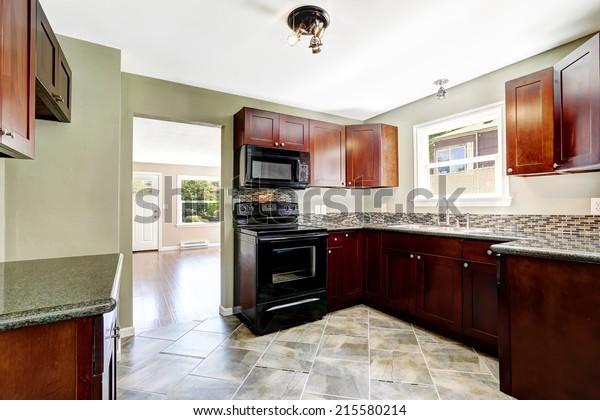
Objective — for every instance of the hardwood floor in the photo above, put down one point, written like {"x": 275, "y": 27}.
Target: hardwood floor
{"x": 175, "y": 286}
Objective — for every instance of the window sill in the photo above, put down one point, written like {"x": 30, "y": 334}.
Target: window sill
{"x": 198, "y": 225}
{"x": 469, "y": 202}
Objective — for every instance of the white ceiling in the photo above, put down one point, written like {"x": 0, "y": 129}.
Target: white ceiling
{"x": 378, "y": 54}
{"x": 175, "y": 143}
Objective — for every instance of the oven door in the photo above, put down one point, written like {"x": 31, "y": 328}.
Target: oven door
{"x": 291, "y": 265}
{"x": 266, "y": 167}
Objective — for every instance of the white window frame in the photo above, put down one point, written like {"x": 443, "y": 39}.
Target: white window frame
{"x": 181, "y": 178}
{"x": 421, "y": 133}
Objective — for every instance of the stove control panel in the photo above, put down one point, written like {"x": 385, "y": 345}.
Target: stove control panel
{"x": 273, "y": 209}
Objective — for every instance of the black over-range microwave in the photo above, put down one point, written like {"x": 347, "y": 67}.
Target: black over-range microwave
{"x": 273, "y": 168}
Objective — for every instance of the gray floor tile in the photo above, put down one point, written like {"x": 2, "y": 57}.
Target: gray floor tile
{"x": 307, "y": 333}
{"x": 358, "y": 311}
{"x": 382, "y": 320}
{"x": 228, "y": 364}
{"x": 135, "y": 351}
{"x": 395, "y": 366}
{"x": 358, "y": 327}
{"x": 309, "y": 396}
{"x": 128, "y": 394}
{"x": 492, "y": 364}
{"x": 400, "y": 391}
{"x": 196, "y": 344}
{"x": 289, "y": 356}
{"x": 397, "y": 340}
{"x": 200, "y": 388}
{"x": 243, "y": 338}
{"x": 219, "y": 324}
{"x": 466, "y": 386}
{"x": 272, "y": 384}
{"x": 345, "y": 348}
{"x": 453, "y": 357}
{"x": 160, "y": 374}
{"x": 425, "y": 336}
{"x": 339, "y": 377}
{"x": 169, "y": 332}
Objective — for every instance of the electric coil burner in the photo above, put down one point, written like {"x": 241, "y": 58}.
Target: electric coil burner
{"x": 280, "y": 267}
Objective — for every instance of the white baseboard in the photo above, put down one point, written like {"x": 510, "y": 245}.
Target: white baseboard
{"x": 177, "y": 248}
{"x": 225, "y": 311}
{"x": 127, "y": 332}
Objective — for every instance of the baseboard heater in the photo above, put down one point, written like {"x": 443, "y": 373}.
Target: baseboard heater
{"x": 193, "y": 244}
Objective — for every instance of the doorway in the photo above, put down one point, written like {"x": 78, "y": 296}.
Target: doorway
{"x": 176, "y": 234}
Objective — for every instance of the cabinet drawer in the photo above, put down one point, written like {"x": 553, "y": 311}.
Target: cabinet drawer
{"x": 479, "y": 251}
{"x": 447, "y": 247}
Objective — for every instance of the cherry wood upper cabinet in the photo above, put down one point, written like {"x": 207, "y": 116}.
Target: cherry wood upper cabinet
{"x": 530, "y": 124}
{"x": 17, "y": 82}
{"x": 293, "y": 133}
{"x": 371, "y": 156}
{"x": 53, "y": 74}
{"x": 577, "y": 107}
{"x": 327, "y": 154}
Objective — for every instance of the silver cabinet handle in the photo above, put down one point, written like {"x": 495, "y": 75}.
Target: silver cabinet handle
{"x": 555, "y": 165}
{"x": 509, "y": 170}
{"x": 489, "y": 252}
{"x": 412, "y": 255}
{"x": 57, "y": 98}
{"x": 466, "y": 265}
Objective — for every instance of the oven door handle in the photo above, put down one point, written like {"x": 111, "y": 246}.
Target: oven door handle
{"x": 286, "y": 238}
{"x": 287, "y": 305}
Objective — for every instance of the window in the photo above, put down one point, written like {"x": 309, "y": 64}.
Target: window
{"x": 463, "y": 151}
{"x": 199, "y": 201}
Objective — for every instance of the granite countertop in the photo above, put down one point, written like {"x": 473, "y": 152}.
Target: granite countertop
{"x": 564, "y": 246}
{"x": 43, "y": 291}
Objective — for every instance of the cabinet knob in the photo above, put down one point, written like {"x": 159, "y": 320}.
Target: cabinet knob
{"x": 509, "y": 170}
{"x": 555, "y": 165}
{"x": 276, "y": 144}
{"x": 335, "y": 239}
{"x": 57, "y": 98}
{"x": 346, "y": 235}
{"x": 349, "y": 182}
{"x": 282, "y": 144}
{"x": 329, "y": 252}
{"x": 489, "y": 252}
{"x": 466, "y": 265}
{"x": 418, "y": 257}
{"x": 412, "y": 255}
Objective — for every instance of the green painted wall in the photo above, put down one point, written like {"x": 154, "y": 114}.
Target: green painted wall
{"x": 567, "y": 194}
{"x": 151, "y": 97}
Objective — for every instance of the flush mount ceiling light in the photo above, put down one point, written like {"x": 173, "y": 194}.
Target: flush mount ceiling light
{"x": 311, "y": 21}
{"x": 441, "y": 93}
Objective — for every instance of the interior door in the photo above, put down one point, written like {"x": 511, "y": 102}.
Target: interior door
{"x": 145, "y": 211}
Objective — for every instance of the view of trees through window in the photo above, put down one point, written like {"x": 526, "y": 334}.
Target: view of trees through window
{"x": 199, "y": 201}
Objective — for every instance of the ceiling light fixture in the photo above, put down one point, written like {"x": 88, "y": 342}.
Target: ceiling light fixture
{"x": 308, "y": 20}
{"x": 441, "y": 93}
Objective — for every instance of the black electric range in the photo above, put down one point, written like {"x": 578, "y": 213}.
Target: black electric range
{"x": 280, "y": 267}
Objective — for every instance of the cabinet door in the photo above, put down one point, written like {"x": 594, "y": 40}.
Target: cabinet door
{"x": 480, "y": 303}
{"x": 372, "y": 262}
{"x": 335, "y": 272}
{"x": 17, "y": 82}
{"x": 63, "y": 88}
{"x": 577, "y": 106}
{"x": 47, "y": 53}
{"x": 363, "y": 148}
{"x": 439, "y": 291}
{"x": 530, "y": 124}
{"x": 398, "y": 271}
{"x": 261, "y": 128}
{"x": 327, "y": 154}
{"x": 293, "y": 133}
{"x": 352, "y": 286}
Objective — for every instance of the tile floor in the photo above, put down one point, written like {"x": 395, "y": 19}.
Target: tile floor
{"x": 355, "y": 353}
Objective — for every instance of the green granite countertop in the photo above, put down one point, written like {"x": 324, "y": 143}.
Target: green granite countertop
{"x": 38, "y": 292}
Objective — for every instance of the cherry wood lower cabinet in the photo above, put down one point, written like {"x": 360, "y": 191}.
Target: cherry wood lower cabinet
{"x": 345, "y": 275}
{"x": 335, "y": 273}
{"x": 480, "y": 303}
{"x": 398, "y": 280}
{"x": 549, "y": 326}
{"x": 69, "y": 360}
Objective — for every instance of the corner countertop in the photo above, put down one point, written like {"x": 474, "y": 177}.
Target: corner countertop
{"x": 38, "y": 292}
{"x": 561, "y": 246}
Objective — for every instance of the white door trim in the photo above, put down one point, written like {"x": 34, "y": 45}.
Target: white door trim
{"x": 160, "y": 205}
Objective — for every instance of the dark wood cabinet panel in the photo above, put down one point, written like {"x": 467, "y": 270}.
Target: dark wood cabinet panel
{"x": 17, "y": 83}
{"x": 327, "y": 154}
{"x": 371, "y": 155}
{"x": 335, "y": 273}
{"x": 352, "y": 286}
{"x": 577, "y": 107}
{"x": 256, "y": 127}
{"x": 548, "y": 331}
{"x": 398, "y": 273}
{"x": 372, "y": 257}
{"x": 530, "y": 124}
{"x": 293, "y": 133}
{"x": 53, "y": 74}
{"x": 439, "y": 291}
{"x": 480, "y": 303}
